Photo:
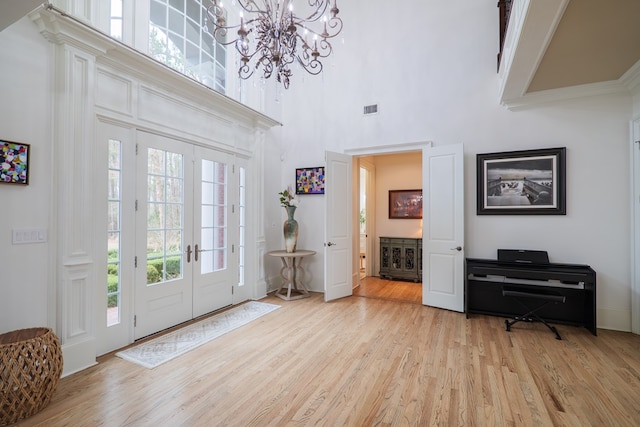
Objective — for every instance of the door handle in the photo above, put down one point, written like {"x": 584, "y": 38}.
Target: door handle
{"x": 188, "y": 251}
{"x": 457, "y": 248}
{"x": 330, "y": 244}
{"x": 196, "y": 253}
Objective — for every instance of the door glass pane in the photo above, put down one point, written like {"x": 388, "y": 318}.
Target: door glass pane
{"x": 241, "y": 226}
{"x": 213, "y": 237}
{"x": 114, "y": 291}
{"x": 165, "y": 222}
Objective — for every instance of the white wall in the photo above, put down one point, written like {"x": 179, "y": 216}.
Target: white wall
{"x": 25, "y": 84}
{"x": 434, "y": 78}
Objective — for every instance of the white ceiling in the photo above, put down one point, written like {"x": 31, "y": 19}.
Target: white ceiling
{"x": 595, "y": 41}
{"x": 13, "y": 10}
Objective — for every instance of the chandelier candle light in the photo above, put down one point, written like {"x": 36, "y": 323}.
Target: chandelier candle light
{"x": 273, "y": 37}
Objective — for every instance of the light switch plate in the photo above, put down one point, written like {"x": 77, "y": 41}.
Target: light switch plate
{"x": 23, "y": 236}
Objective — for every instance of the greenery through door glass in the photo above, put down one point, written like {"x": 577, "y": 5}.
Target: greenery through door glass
{"x": 165, "y": 206}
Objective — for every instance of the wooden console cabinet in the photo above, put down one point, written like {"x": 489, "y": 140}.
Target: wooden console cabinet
{"x": 401, "y": 258}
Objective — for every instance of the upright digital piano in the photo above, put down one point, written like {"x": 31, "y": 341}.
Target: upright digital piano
{"x": 530, "y": 273}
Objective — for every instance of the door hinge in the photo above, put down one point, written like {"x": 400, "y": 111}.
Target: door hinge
{"x": 232, "y": 289}
{"x": 136, "y": 205}
{"x": 135, "y": 261}
{"x": 233, "y": 249}
{"x": 136, "y": 149}
{"x": 135, "y": 320}
{"x": 233, "y": 209}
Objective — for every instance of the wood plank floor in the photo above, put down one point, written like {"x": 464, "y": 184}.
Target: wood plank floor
{"x": 393, "y": 290}
{"x": 362, "y": 362}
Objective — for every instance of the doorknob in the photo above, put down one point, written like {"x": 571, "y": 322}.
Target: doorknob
{"x": 188, "y": 251}
{"x": 457, "y": 248}
{"x": 195, "y": 255}
{"x": 330, "y": 244}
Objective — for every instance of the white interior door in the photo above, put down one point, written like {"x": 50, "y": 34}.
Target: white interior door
{"x": 443, "y": 236}
{"x": 338, "y": 251}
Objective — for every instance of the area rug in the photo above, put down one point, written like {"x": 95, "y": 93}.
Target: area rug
{"x": 166, "y": 347}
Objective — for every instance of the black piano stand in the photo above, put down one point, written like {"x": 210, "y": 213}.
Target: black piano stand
{"x": 545, "y": 297}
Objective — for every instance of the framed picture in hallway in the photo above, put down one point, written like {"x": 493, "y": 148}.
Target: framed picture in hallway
{"x": 528, "y": 182}
{"x": 310, "y": 180}
{"x": 405, "y": 204}
{"x": 14, "y": 162}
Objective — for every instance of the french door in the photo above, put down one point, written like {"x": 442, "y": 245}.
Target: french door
{"x": 185, "y": 263}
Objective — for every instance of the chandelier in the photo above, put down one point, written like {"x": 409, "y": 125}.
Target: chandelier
{"x": 273, "y": 37}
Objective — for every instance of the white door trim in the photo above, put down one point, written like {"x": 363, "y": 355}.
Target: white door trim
{"x": 635, "y": 226}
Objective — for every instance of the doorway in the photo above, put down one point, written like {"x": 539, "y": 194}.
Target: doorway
{"x": 378, "y": 174}
{"x": 174, "y": 241}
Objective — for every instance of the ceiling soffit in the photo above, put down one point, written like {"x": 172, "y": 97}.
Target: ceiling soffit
{"x": 595, "y": 41}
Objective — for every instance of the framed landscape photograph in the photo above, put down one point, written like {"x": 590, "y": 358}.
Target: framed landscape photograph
{"x": 310, "y": 180}
{"x": 405, "y": 204}
{"x": 528, "y": 182}
{"x": 14, "y": 162}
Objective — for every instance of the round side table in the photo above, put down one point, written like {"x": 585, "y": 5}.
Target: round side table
{"x": 292, "y": 274}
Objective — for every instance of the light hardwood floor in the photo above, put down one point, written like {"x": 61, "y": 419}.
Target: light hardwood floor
{"x": 367, "y": 361}
{"x": 392, "y": 290}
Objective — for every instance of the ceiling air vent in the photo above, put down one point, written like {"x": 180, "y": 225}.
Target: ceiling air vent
{"x": 370, "y": 109}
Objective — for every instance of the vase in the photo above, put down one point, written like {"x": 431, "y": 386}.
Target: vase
{"x": 290, "y": 229}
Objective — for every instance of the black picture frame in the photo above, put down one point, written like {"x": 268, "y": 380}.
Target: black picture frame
{"x": 310, "y": 180}
{"x": 405, "y": 204}
{"x": 526, "y": 182}
{"x": 14, "y": 162}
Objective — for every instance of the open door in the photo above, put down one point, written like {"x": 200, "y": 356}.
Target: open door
{"x": 338, "y": 251}
{"x": 443, "y": 236}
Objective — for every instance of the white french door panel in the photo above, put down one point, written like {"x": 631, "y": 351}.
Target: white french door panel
{"x": 246, "y": 202}
{"x": 215, "y": 264}
{"x": 443, "y": 235}
{"x": 164, "y": 229}
{"x": 114, "y": 324}
{"x": 338, "y": 251}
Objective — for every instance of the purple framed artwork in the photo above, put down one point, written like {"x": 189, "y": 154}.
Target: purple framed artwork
{"x": 310, "y": 180}
{"x": 14, "y": 162}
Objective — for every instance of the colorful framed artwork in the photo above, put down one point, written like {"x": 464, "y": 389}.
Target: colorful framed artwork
{"x": 310, "y": 180}
{"x": 405, "y": 204}
{"x": 14, "y": 162}
{"x": 528, "y": 182}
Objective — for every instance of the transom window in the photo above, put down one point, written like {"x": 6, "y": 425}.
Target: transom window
{"x": 115, "y": 19}
{"x": 179, "y": 38}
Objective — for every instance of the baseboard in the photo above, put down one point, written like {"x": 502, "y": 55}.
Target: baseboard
{"x": 615, "y": 320}
{"x": 78, "y": 356}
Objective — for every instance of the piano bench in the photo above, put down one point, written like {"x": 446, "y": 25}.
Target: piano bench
{"x": 528, "y": 298}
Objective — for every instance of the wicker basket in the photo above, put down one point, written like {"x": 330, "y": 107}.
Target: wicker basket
{"x": 30, "y": 367}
